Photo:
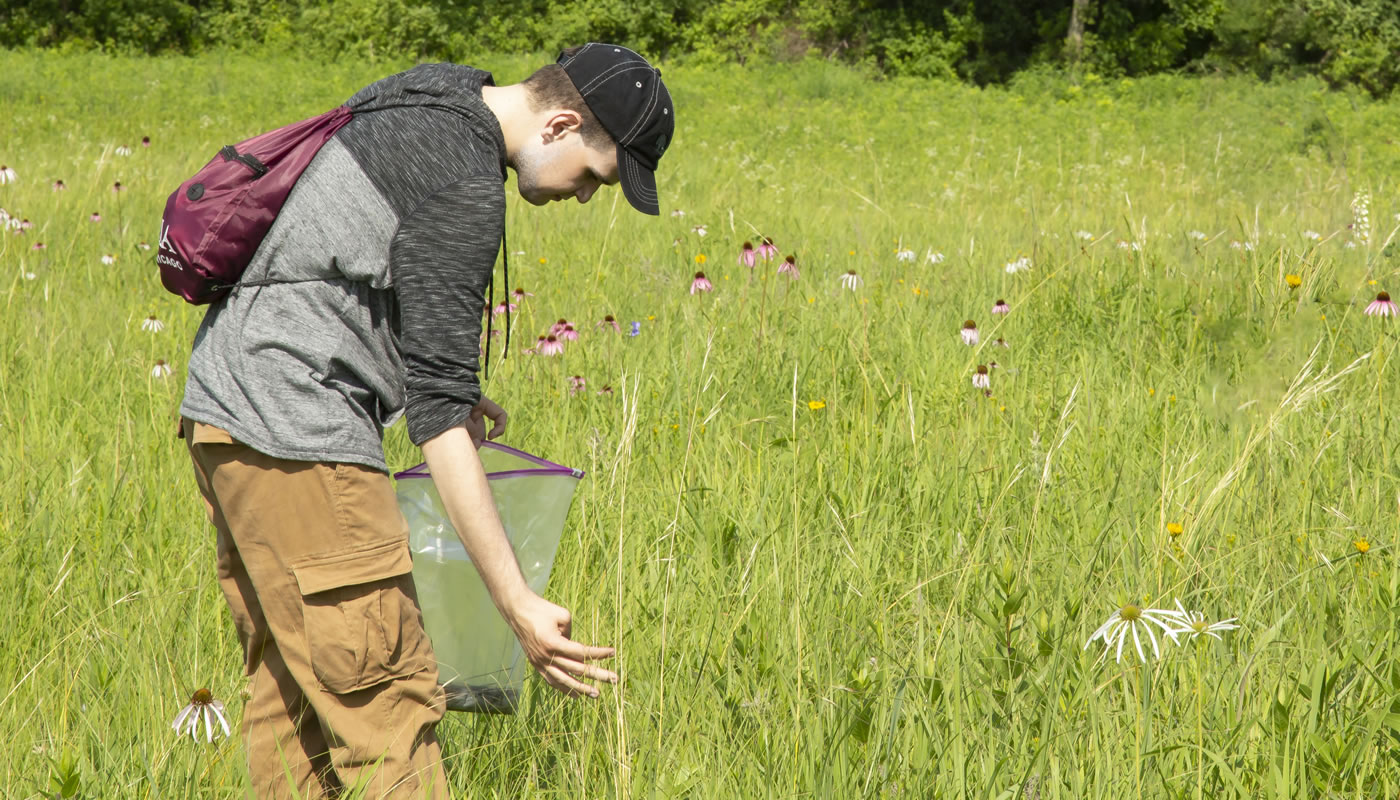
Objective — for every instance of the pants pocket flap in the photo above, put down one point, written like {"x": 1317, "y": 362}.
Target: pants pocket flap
{"x": 321, "y": 572}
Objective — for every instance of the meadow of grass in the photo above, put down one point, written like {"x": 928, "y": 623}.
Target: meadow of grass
{"x": 831, "y": 566}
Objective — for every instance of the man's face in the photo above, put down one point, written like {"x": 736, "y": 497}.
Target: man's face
{"x": 557, "y": 165}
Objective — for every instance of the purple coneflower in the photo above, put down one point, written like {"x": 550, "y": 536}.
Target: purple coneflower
{"x": 502, "y": 308}
{"x": 7, "y": 175}
{"x": 39, "y": 246}
{"x": 109, "y": 259}
{"x": 117, "y": 187}
{"x": 766, "y": 249}
{"x": 576, "y": 384}
{"x": 95, "y": 217}
{"x": 25, "y": 224}
{"x": 558, "y": 327}
{"x": 551, "y": 346}
{"x": 747, "y": 256}
{"x": 161, "y": 369}
{"x": 1002, "y": 343}
{"x": 699, "y": 230}
{"x": 1382, "y": 306}
{"x": 981, "y": 379}
{"x": 700, "y": 284}
{"x": 969, "y": 333}
{"x": 152, "y": 324}
{"x": 789, "y": 268}
{"x": 520, "y": 294}
{"x": 1001, "y": 308}
{"x": 145, "y": 141}
{"x": 144, "y": 245}
{"x": 568, "y": 334}
{"x": 123, "y": 150}
{"x": 609, "y": 321}
{"x": 851, "y": 280}
{"x": 59, "y": 186}
{"x": 605, "y": 390}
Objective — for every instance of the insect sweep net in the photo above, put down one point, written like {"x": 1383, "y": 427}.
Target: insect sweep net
{"x": 480, "y": 663}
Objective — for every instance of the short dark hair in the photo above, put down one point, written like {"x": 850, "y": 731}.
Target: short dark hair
{"x": 550, "y": 87}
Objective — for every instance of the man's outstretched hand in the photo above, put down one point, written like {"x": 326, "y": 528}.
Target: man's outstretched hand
{"x": 543, "y": 630}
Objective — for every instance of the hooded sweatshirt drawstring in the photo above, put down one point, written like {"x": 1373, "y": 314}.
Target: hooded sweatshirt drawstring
{"x": 491, "y": 305}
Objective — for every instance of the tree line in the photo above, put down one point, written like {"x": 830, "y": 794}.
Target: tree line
{"x": 1351, "y": 42}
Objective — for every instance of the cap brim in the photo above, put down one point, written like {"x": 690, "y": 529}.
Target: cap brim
{"x": 638, "y": 182}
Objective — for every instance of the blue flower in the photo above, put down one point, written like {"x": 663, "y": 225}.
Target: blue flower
{"x": 636, "y": 329}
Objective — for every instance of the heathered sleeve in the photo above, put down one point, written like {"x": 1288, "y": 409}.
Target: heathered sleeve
{"x": 441, "y": 260}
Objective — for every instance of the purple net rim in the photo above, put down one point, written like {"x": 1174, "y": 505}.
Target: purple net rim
{"x": 546, "y": 467}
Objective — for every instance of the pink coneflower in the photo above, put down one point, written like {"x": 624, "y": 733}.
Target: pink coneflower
{"x": 123, "y": 150}
{"x": 1382, "y": 306}
{"x": 1001, "y": 308}
{"x": 39, "y": 246}
{"x": 700, "y": 284}
{"x": 576, "y": 384}
{"x": 202, "y": 708}
{"x": 117, "y": 187}
{"x": 568, "y": 334}
{"x": 144, "y": 245}
{"x": 747, "y": 256}
{"x": 95, "y": 217}
{"x": 851, "y": 280}
{"x": 25, "y": 224}
{"x": 609, "y": 321}
{"x": 145, "y": 141}
{"x": 520, "y": 294}
{"x": 558, "y": 327}
{"x": 59, "y": 186}
{"x": 789, "y": 268}
{"x": 551, "y": 346}
{"x": 7, "y": 175}
{"x": 981, "y": 379}
{"x": 1001, "y": 343}
{"x": 969, "y": 333}
{"x": 502, "y": 308}
{"x": 109, "y": 259}
{"x": 152, "y": 324}
{"x": 605, "y": 390}
{"x": 766, "y": 249}
{"x": 161, "y": 369}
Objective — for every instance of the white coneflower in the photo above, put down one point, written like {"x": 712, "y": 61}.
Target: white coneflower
{"x": 1001, "y": 343}
{"x": 700, "y": 230}
{"x": 1361, "y": 216}
{"x": 161, "y": 369}
{"x": 851, "y": 280}
{"x": 969, "y": 333}
{"x": 904, "y": 255}
{"x": 1001, "y": 308}
{"x": 202, "y": 706}
{"x": 1084, "y": 235}
{"x": 1312, "y": 235}
{"x": 1019, "y": 265}
{"x": 1128, "y": 620}
{"x": 935, "y": 258}
{"x": 7, "y": 175}
{"x": 1193, "y": 623}
{"x": 1197, "y": 235}
{"x": 152, "y": 324}
{"x": 109, "y": 259}
{"x": 29, "y": 276}
{"x": 677, "y": 213}
{"x": 123, "y": 150}
{"x": 981, "y": 379}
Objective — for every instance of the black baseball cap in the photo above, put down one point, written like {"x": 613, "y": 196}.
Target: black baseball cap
{"x": 627, "y": 96}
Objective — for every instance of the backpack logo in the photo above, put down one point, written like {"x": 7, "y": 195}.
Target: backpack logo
{"x": 165, "y": 239}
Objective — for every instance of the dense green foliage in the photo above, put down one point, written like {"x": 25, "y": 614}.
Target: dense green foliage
{"x": 983, "y": 41}
{"x": 831, "y": 566}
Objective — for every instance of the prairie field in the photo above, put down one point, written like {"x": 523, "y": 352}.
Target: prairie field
{"x": 831, "y": 564}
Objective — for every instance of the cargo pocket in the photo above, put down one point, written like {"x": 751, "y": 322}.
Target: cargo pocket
{"x": 362, "y": 622}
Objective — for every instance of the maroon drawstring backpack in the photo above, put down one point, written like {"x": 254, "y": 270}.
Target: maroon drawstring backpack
{"x": 215, "y": 221}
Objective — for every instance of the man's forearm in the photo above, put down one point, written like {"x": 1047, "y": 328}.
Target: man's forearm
{"x": 461, "y": 482}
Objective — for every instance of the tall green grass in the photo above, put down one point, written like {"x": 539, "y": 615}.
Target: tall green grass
{"x": 885, "y": 595}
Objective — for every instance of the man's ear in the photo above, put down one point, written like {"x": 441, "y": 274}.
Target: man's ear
{"x": 560, "y": 124}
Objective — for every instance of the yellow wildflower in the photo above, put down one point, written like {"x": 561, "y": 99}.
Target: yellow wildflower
{"x": 700, "y": 258}
{"x": 1293, "y": 281}
{"x": 1361, "y": 546}
{"x": 816, "y": 405}
{"x": 1174, "y": 528}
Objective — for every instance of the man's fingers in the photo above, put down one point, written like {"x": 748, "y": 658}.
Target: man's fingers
{"x": 498, "y": 426}
{"x": 579, "y": 651}
{"x": 561, "y": 681}
{"x": 589, "y": 671}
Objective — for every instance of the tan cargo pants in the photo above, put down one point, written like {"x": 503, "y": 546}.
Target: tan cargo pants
{"x": 313, "y": 559}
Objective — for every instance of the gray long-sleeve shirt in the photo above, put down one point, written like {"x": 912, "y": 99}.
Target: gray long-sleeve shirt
{"x": 398, "y": 218}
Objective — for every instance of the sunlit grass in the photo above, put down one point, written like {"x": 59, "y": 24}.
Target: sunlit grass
{"x": 831, "y": 565}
